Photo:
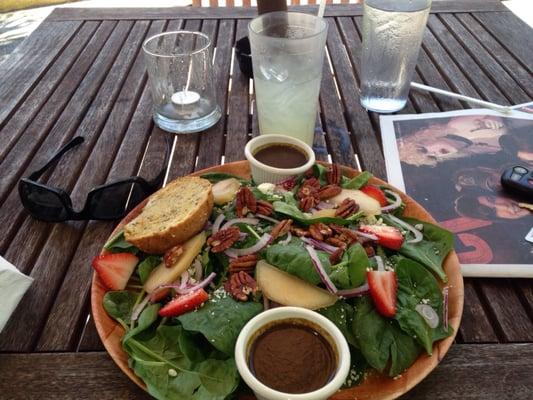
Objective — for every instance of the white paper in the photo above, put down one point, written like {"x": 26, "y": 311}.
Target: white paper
{"x": 13, "y": 285}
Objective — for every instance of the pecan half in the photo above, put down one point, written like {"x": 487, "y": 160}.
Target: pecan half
{"x": 336, "y": 256}
{"x": 308, "y": 188}
{"x": 307, "y": 203}
{"x": 172, "y": 255}
{"x": 346, "y": 234}
{"x": 329, "y": 191}
{"x": 264, "y": 207}
{"x": 309, "y": 173}
{"x": 299, "y": 232}
{"x": 333, "y": 175}
{"x": 223, "y": 239}
{"x": 281, "y": 229}
{"x": 347, "y": 208}
{"x": 337, "y": 242}
{"x": 240, "y": 285}
{"x": 319, "y": 230}
{"x": 243, "y": 263}
{"x": 245, "y": 202}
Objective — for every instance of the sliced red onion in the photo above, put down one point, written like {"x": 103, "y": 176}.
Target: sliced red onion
{"x": 379, "y": 261}
{"x": 231, "y": 253}
{"x": 265, "y": 240}
{"x": 356, "y": 292}
{"x": 428, "y": 313}
{"x": 208, "y": 225}
{"x": 394, "y": 205}
{"x": 249, "y": 221}
{"x": 368, "y": 236}
{"x": 445, "y": 307}
{"x": 320, "y": 269}
{"x": 184, "y": 280}
{"x": 267, "y": 218}
{"x": 139, "y": 308}
{"x": 179, "y": 290}
{"x": 242, "y": 236}
{"x": 418, "y": 235}
{"x": 217, "y": 223}
{"x": 287, "y": 240}
{"x": 320, "y": 245}
{"x": 198, "y": 270}
{"x": 288, "y": 183}
{"x": 324, "y": 205}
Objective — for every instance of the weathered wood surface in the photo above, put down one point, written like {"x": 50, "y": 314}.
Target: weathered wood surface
{"x": 474, "y": 371}
{"x": 82, "y": 73}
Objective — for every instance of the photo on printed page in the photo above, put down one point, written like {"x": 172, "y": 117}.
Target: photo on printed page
{"x": 451, "y": 163}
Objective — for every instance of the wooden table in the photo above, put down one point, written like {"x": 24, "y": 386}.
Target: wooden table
{"x": 82, "y": 73}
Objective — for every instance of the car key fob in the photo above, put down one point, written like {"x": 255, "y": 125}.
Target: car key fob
{"x": 518, "y": 180}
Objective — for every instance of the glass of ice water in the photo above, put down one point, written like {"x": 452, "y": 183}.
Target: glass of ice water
{"x": 392, "y": 34}
{"x": 287, "y": 57}
{"x": 180, "y": 74}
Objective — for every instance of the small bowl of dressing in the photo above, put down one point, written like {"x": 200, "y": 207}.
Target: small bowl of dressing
{"x": 292, "y": 353}
{"x": 274, "y": 158}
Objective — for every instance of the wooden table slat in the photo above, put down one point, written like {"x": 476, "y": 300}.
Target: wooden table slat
{"x": 29, "y": 62}
{"x": 337, "y": 10}
{"x": 485, "y": 60}
{"x": 17, "y": 124}
{"x": 511, "y": 32}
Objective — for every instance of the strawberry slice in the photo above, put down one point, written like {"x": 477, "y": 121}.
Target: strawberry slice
{"x": 383, "y": 287}
{"x": 184, "y": 303}
{"x": 388, "y": 236}
{"x": 376, "y": 193}
{"x": 115, "y": 269}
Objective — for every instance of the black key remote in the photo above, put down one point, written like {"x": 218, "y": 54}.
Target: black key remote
{"x": 518, "y": 180}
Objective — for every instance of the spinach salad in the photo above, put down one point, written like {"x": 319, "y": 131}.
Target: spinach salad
{"x": 342, "y": 244}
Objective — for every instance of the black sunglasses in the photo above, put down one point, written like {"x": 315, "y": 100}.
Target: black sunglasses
{"x": 105, "y": 202}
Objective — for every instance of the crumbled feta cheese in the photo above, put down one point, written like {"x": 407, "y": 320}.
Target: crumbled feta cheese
{"x": 266, "y": 188}
{"x": 172, "y": 372}
{"x": 420, "y": 227}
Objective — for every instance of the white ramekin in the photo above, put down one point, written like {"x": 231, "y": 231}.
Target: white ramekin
{"x": 262, "y": 173}
{"x": 263, "y": 392}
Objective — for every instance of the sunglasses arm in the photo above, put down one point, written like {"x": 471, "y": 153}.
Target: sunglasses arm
{"x": 73, "y": 143}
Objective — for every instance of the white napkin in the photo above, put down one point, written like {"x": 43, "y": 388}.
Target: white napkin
{"x": 13, "y": 285}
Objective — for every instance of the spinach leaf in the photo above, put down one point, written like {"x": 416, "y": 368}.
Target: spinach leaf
{"x": 356, "y": 263}
{"x": 358, "y": 182}
{"x": 295, "y": 260}
{"x": 341, "y": 314}
{"x": 357, "y": 369}
{"x": 381, "y": 340}
{"x": 119, "y": 305}
{"x": 339, "y": 276}
{"x": 146, "y": 266}
{"x": 430, "y": 251}
{"x": 259, "y": 195}
{"x": 294, "y": 212}
{"x": 118, "y": 244}
{"x": 215, "y": 177}
{"x": 220, "y": 320}
{"x": 161, "y": 358}
{"x": 416, "y": 285}
{"x": 147, "y": 318}
{"x": 319, "y": 172}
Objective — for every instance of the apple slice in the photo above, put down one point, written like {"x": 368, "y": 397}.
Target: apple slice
{"x": 367, "y": 204}
{"x": 325, "y": 213}
{"x": 286, "y": 289}
{"x": 163, "y": 275}
{"x": 225, "y": 190}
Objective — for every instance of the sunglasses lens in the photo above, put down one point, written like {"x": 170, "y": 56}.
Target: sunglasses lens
{"x": 42, "y": 203}
{"x": 115, "y": 201}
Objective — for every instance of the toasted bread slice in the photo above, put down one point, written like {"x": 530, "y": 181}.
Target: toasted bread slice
{"x": 172, "y": 215}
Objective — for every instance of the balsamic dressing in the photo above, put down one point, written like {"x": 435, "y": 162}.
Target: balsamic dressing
{"x": 292, "y": 357}
{"x": 281, "y": 155}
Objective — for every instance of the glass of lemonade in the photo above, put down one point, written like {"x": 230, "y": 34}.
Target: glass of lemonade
{"x": 392, "y": 33}
{"x": 287, "y": 56}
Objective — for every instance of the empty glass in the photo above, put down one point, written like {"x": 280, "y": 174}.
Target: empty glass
{"x": 180, "y": 73}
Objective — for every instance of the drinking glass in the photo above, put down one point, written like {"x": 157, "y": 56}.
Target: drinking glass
{"x": 392, "y": 34}
{"x": 180, "y": 74}
{"x": 287, "y": 57}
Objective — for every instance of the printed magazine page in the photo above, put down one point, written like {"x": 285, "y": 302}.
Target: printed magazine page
{"x": 451, "y": 163}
